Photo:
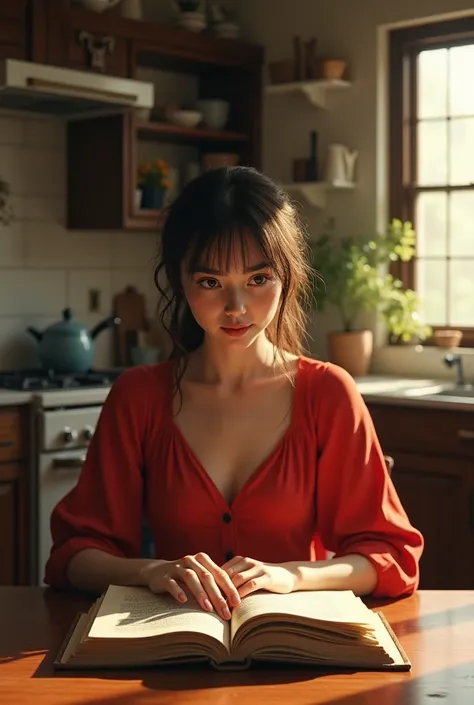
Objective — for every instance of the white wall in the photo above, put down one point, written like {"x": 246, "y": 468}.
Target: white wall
{"x": 43, "y": 266}
{"x": 347, "y": 29}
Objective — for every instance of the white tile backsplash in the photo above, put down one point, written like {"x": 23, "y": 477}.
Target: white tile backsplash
{"x": 43, "y": 266}
{"x": 81, "y": 281}
{"x": 12, "y": 244}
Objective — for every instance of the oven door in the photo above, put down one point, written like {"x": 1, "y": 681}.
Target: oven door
{"x": 58, "y": 475}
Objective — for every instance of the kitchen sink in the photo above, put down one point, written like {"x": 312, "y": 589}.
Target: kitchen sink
{"x": 457, "y": 392}
{"x": 439, "y": 390}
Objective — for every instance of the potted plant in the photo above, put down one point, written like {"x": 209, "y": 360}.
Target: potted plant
{"x": 352, "y": 275}
{"x": 153, "y": 181}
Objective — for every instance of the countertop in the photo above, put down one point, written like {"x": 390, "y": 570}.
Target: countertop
{"x": 434, "y": 628}
{"x": 380, "y": 389}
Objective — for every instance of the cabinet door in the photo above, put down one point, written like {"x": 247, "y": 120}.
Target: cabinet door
{"x": 83, "y": 40}
{"x": 437, "y": 494}
{"x": 8, "y": 533}
{"x": 13, "y": 29}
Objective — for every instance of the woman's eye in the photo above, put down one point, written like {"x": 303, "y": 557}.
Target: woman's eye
{"x": 260, "y": 279}
{"x": 209, "y": 283}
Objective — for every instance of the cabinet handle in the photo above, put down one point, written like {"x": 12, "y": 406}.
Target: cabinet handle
{"x": 97, "y": 48}
{"x": 466, "y": 434}
{"x": 6, "y": 444}
{"x": 72, "y": 463}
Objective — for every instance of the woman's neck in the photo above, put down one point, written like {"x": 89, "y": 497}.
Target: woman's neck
{"x": 231, "y": 367}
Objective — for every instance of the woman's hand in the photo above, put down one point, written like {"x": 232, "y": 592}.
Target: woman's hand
{"x": 249, "y": 575}
{"x": 194, "y": 575}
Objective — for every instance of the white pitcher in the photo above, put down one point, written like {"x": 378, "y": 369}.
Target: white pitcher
{"x": 340, "y": 165}
{"x": 99, "y": 5}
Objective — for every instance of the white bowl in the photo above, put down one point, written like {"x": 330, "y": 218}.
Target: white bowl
{"x": 186, "y": 118}
{"x": 193, "y": 21}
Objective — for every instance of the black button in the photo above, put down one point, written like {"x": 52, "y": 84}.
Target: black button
{"x": 229, "y": 555}
{"x": 227, "y": 518}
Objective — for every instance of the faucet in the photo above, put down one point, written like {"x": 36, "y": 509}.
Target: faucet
{"x": 452, "y": 360}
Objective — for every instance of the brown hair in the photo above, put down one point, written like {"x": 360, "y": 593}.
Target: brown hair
{"x": 217, "y": 211}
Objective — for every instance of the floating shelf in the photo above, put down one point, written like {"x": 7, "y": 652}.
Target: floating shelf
{"x": 315, "y": 91}
{"x": 168, "y": 132}
{"x": 314, "y": 192}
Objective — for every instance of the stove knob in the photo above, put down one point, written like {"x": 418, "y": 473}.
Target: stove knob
{"x": 88, "y": 432}
{"x": 69, "y": 434}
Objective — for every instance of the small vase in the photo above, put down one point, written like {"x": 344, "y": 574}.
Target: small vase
{"x": 153, "y": 197}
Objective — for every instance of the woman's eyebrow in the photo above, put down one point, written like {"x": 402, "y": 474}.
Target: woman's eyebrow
{"x": 210, "y": 270}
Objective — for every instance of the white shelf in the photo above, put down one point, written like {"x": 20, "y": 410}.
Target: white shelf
{"x": 314, "y": 192}
{"x": 315, "y": 91}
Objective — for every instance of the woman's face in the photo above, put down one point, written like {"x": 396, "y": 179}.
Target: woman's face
{"x": 234, "y": 306}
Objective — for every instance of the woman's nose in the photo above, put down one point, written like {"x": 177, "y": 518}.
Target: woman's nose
{"x": 235, "y": 304}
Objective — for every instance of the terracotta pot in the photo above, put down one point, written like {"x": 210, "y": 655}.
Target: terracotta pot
{"x": 332, "y": 69}
{"x": 352, "y": 350}
{"x": 216, "y": 160}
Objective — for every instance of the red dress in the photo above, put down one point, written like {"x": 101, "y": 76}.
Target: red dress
{"x": 324, "y": 484}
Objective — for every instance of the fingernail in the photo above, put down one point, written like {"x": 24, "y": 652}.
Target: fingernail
{"x": 207, "y": 605}
{"x": 182, "y": 597}
{"x": 235, "y": 600}
{"x": 226, "y": 613}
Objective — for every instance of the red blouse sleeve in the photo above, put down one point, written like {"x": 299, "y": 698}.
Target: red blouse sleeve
{"x": 104, "y": 510}
{"x": 358, "y": 508}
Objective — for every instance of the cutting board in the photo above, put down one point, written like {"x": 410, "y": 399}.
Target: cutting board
{"x": 130, "y": 307}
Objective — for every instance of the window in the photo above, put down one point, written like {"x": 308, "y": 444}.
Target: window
{"x": 432, "y": 165}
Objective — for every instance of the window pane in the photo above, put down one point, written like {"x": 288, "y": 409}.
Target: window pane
{"x": 462, "y": 292}
{"x": 432, "y": 83}
{"x": 431, "y": 285}
{"x": 432, "y": 153}
{"x": 461, "y": 151}
{"x": 461, "y": 224}
{"x": 431, "y": 220}
{"x": 461, "y": 80}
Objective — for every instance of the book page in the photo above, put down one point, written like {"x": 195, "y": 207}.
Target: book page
{"x": 332, "y": 606}
{"x": 136, "y": 612}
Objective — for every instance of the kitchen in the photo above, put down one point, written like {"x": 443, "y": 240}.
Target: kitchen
{"x": 79, "y": 238}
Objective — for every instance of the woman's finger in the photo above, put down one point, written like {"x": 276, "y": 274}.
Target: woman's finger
{"x": 239, "y": 567}
{"x": 245, "y": 575}
{"x": 190, "y": 578}
{"x": 254, "y": 584}
{"x": 175, "y": 590}
{"x": 221, "y": 579}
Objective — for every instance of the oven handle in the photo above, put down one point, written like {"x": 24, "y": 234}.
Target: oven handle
{"x": 72, "y": 462}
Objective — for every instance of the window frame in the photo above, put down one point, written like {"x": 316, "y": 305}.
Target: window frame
{"x": 404, "y": 46}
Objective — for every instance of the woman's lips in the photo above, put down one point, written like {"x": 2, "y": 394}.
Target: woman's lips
{"x": 236, "y": 331}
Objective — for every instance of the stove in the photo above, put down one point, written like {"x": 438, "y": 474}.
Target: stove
{"x": 37, "y": 379}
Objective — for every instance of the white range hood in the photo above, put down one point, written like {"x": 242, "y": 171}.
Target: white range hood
{"x": 49, "y": 90}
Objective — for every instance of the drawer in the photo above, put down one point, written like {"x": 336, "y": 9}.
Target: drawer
{"x": 10, "y": 435}
{"x": 424, "y": 431}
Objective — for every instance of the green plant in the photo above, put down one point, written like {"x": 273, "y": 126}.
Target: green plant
{"x": 6, "y": 212}
{"x": 155, "y": 173}
{"x": 352, "y": 276}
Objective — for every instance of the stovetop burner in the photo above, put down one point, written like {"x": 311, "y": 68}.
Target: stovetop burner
{"x": 42, "y": 380}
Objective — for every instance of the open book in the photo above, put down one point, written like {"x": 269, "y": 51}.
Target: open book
{"x": 132, "y": 627}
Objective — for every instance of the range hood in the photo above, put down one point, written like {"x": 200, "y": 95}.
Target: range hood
{"x": 66, "y": 93}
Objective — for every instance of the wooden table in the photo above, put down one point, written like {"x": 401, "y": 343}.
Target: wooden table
{"x": 435, "y": 627}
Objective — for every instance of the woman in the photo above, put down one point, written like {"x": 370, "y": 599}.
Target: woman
{"x": 242, "y": 453}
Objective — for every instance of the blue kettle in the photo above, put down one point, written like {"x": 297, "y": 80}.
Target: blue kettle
{"x": 68, "y": 346}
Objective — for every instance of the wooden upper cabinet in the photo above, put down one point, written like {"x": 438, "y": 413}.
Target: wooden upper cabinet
{"x": 79, "y": 39}
{"x": 14, "y": 29}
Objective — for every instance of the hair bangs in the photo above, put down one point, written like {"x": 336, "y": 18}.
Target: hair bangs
{"x": 221, "y": 248}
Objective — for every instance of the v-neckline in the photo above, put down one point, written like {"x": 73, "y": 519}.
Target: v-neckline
{"x": 261, "y": 466}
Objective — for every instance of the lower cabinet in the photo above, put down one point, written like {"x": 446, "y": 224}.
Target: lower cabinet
{"x": 433, "y": 473}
